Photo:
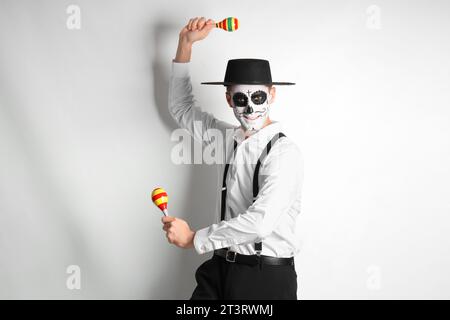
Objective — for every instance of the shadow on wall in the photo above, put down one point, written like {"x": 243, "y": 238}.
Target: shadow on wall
{"x": 200, "y": 203}
{"x": 41, "y": 221}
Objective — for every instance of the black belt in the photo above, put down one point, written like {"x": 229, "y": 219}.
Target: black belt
{"x": 254, "y": 259}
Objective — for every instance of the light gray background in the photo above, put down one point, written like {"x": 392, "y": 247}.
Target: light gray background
{"x": 85, "y": 137}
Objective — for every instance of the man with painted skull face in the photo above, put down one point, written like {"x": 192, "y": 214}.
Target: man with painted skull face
{"x": 259, "y": 184}
{"x": 250, "y": 105}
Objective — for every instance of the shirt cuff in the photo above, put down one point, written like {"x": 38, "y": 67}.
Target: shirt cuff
{"x": 201, "y": 242}
{"x": 180, "y": 69}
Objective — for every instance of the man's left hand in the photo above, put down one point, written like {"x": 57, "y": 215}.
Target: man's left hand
{"x": 178, "y": 232}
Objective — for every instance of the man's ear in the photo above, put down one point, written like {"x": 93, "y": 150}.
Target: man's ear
{"x": 272, "y": 93}
{"x": 228, "y": 96}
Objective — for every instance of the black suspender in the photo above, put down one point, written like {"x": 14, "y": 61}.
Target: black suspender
{"x": 258, "y": 245}
{"x": 260, "y": 160}
{"x": 224, "y": 186}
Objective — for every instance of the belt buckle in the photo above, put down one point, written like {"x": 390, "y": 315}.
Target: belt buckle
{"x": 227, "y": 258}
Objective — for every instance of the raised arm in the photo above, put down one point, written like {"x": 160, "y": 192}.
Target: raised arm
{"x": 182, "y": 104}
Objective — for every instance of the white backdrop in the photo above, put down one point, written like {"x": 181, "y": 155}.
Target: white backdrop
{"x": 85, "y": 136}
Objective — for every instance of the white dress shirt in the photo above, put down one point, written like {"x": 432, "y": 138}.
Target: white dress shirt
{"x": 271, "y": 218}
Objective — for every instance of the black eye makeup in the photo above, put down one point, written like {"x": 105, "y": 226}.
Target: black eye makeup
{"x": 240, "y": 99}
{"x": 259, "y": 97}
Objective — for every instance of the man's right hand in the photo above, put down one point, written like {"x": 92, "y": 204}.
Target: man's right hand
{"x": 195, "y": 30}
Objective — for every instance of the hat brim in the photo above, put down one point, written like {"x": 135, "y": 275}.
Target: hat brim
{"x": 252, "y": 83}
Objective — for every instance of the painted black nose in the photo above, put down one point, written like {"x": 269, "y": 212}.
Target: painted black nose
{"x": 248, "y": 110}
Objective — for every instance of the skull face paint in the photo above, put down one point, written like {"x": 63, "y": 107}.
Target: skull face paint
{"x": 250, "y": 105}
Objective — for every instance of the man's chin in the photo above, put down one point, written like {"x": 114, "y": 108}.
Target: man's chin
{"x": 251, "y": 128}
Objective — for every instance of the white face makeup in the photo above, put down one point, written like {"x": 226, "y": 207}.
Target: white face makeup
{"x": 250, "y": 105}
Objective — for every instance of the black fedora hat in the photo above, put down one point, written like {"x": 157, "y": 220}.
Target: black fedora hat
{"x": 248, "y": 71}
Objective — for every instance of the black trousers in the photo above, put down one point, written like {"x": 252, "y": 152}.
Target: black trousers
{"x": 220, "y": 279}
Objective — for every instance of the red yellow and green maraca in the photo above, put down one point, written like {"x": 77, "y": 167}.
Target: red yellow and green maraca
{"x": 228, "y": 24}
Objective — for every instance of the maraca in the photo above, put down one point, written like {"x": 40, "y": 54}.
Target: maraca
{"x": 228, "y": 24}
{"x": 160, "y": 199}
